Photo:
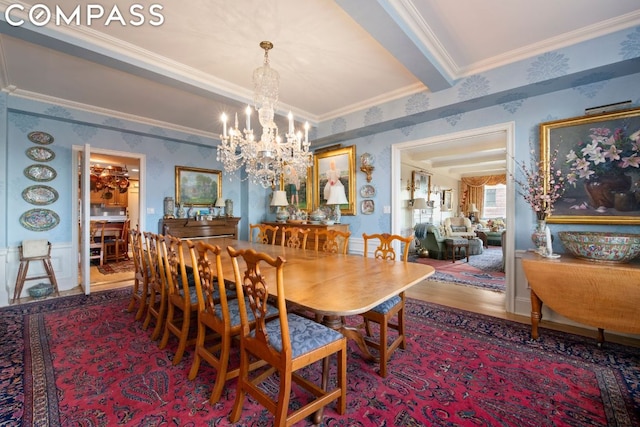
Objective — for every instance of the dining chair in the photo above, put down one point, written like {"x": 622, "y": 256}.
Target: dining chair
{"x": 295, "y": 237}
{"x": 287, "y": 344}
{"x": 262, "y": 235}
{"x": 116, "y": 245}
{"x": 333, "y": 241}
{"x": 383, "y": 314}
{"x": 182, "y": 299}
{"x": 96, "y": 242}
{"x": 157, "y": 306}
{"x": 218, "y": 316}
{"x": 140, "y": 292}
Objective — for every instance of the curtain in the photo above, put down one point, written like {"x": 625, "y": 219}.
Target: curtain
{"x": 473, "y": 190}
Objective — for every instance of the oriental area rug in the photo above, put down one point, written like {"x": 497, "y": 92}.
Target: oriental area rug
{"x": 84, "y": 360}
{"x": 483, "y": 271}
{"x": 117, "y": 267}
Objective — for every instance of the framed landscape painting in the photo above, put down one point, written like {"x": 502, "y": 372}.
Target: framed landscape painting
{"x": 599, "y": 157}
{"x": 334, "y": 170}
{"x": 298, "y": 187}
{"x": 197, "y": 187}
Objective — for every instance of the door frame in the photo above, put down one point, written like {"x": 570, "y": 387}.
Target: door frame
{"x": 396, "y": 183}
{"x": 76, "y": 218}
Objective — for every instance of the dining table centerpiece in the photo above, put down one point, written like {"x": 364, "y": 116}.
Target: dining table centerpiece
{"x": 541, "y": 187}
{"x": 603, "y": 163}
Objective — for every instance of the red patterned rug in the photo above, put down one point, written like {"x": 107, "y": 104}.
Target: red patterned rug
{"x": 84, "y": 360}
{"x": 117, "y": 267}
{"x": 481, "y": 271}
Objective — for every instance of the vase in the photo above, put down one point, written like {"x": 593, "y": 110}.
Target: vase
{"x": 539, "y": 235}
{"x": 625, "y": 201}
{"x": 601, "y": 190}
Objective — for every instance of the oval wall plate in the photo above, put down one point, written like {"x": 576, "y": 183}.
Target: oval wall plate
{"x": 40, "y": 137}
{"x": 40, "y": 173}
{"x": 40, "y": 154}
{"x": 40, "y": 195}
{"x": 39, "y": 219}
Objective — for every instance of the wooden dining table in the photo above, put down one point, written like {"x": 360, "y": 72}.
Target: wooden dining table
{"x": 331, "y": 285}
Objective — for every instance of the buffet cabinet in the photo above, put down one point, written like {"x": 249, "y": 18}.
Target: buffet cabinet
{"x": 312, "y": 234}
{"x": 190, "y": 228}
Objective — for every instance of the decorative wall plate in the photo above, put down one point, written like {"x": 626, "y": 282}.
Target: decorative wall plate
{"x": 367, "y": 190}
{"x": 40, "y": 154}
{"x": 40, "y": 173}
{"x": 40, "y": 195}
{"x": 39, "y": 219}
{"x": 367, "y": 207}
{"x": 39, "y": 137}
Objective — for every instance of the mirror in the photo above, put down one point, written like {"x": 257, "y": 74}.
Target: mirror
{"x": 420, "y": 185}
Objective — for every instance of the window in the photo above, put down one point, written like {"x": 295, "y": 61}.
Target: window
{"x": 495, "y": 201}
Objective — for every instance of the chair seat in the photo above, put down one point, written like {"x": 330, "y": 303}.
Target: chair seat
{"x": 386, "y": 306}
{"x": 234, "y": 312}
{"x": 306, "y": 335}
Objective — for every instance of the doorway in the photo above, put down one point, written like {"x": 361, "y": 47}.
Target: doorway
{"x": 507, "y": 132}
{"x": 114, "y": 196}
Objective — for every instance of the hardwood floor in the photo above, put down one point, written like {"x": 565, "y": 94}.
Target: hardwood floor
{"x": 447, "y": 294}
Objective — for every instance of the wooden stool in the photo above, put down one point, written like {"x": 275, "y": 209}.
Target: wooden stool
{"x": 34, "y": 250}
{"x": 455, "y": 246}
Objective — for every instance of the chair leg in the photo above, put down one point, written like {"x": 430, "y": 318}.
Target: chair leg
{"x": 22, "y": 275}
{"x": 223, "y": 369}
{"x": 52, "y": 276}
{"x": 195, "y": 365}
{"x": 184, "y": 336}
{"x": 284, "y": 394}
{"x": 167, "y": 324}
{"x": 383, "y": 348}
{"x": 243, "y": 378}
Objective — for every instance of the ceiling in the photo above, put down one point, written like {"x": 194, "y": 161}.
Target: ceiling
{"x": 334, "y": 57}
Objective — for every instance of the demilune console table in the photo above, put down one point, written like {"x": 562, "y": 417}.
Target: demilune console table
{"x": 601, "y": 295}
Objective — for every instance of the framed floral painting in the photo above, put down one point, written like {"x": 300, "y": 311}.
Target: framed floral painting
{"x": 334, "y": 176}
{"x": 599, "y": 156}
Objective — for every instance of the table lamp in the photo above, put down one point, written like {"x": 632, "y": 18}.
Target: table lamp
{"x": 337, "y": 197}
{"x": 420, "y": 204}
{"x": 472, "y": 212}
{"x": 280, "y": 200}
{"x": 220, "y": 205}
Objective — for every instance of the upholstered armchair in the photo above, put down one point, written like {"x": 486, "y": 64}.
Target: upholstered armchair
{"x": 433, "y": 241}
{"x": 457, "y": 227}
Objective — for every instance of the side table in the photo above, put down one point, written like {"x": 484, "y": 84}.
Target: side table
{"x": 453, "y": 246}
{"x": 482, "y": 236}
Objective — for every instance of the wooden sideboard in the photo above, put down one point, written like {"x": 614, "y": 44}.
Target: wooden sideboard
{"x": 189, "y": 228}
{"x": 312, "y": 236}
{"x": 601, "y": 295}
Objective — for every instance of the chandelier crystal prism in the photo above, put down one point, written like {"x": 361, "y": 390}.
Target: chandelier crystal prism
{"x": 264, "y": 160}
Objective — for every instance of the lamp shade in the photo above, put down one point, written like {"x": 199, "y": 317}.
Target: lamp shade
{"x": 279, "y": 198}
{"x": 219, "y": 203}
{"x": 420, "y": 204}
{"x": 337, "y": 196}
{"x": 473, "y": 208}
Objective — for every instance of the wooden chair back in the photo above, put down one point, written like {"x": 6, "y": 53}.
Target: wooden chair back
{"x": 182, "y": 300}
{"x": 157, "y": 306}
{"x": 385, "y": 249}
{"x": 335, "y": 241}
{"x": 141, "y": 274}
{"x": 295, "y": 237}
{"x": 271, "y": 342}
{"x": 265, "y": 234}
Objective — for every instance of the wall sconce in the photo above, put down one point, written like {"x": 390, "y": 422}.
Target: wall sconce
{"x": 366, "y": 165}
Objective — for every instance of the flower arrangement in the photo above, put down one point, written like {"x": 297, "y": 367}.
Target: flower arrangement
{"x": 606, "y": 153}
{"x": 541, "y": 189}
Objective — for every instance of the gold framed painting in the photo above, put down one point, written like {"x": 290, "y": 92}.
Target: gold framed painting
{"x": 334, "y": 172}
{"x": 599, "y": 157}
{"x": 420, "y": 185}
{"x": 298, "y": 188}
{"x": 197, "y": 186}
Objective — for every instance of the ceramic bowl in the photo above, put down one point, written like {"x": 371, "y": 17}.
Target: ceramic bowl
{"x": 601, "y": 246}
{"x": 40, "y": 290}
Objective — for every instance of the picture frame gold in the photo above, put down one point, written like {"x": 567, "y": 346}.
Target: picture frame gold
{"x": 420, "y": 185}
{"x": 304, "y": 188}
{"x": 576, "y": 206}
{"x": 342, "y": 161}
{"x": 197, "y": 186}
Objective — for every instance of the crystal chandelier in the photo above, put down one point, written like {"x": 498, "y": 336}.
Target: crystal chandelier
{"x": 265, "y": 160}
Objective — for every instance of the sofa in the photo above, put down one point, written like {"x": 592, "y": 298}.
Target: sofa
{"x": 431, "y": 239}
{"x": 493, "y": 228}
